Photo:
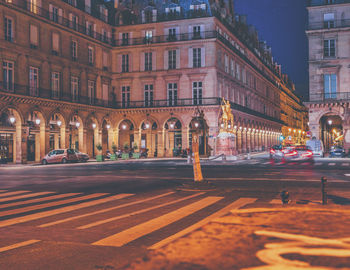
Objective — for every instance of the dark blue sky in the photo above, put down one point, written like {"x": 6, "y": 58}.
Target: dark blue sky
{"x": 282, "y": 24}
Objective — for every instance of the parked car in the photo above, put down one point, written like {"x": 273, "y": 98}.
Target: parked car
{"x": 337, "y": 151}
{"x": 316, "y": 146}
{"x": 82, "y": 157}
{"x": 292, "y": 153}
{"x": 60, "y": 156}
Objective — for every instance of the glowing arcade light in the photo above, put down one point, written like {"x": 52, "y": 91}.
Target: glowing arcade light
{"x": 330, "y": 122}
{"x": 77, "y": 124}
{"x": 37, "y": 121}
{"x": 93, "y": 125}
{"x": 123, "y": 126}
{"x": 229, "y": 126}
{"x": 196, "y": 124}
{"x": 172, "y": 125}
{"x": 12, "y": 119}
{"x": 289, "y": 129}
{"x": 146, "y": 126}
{"x": 59, "y": 123}
{"x": 108, "y": 126}
{"x": 235, "y": 127}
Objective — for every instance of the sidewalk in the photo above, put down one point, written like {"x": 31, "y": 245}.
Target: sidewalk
{"x": 280, "y": 238}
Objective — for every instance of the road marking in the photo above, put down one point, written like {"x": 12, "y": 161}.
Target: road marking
{"x": 104, "y": 210}
{"x": 13, "y": 193}
{"x": 50, "y": 204}
{"x": 318, "y": 163}
{"x": 59, "y": 196}
{"x": 126, "y": 236}
{"x": 18, "y": 245}
{"x": 3, "y": 190}
{"x": 137, "y": 212}
{"x": 347, "y": 174}
{"x": 60, "y": 210}
{"x": 24, "y": 196}
{"x": 235, "y": 205}
{"x": 331, "y": 164}
{"x": 345, "y": 164}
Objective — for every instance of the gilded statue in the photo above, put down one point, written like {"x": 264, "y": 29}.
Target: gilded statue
{"x": 227, "y": 117}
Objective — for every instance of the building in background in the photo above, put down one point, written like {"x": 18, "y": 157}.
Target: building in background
{"x": 80, "y": 73}
{"x": 329, "y": 61}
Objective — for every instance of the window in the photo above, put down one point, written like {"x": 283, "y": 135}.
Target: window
{"x": 104, "y": 36}
{"x": 148, "y": 91}
{"x": 8, "y": 24}
{"x": 232, "y": 68}
{"x": 34, "y": 36}
{"x": 54, "y": 14}
{"x": 89, "y": 29}
{"x": 105, "y": 93}
{"x": 148, "y": 36}
{"x": 196, "y": 31}
{"x": 125, "y": 96}
{"x": 226, "y": 63}
{"x": 238, "y": 72}
{"x": 329, "y": 48}
{"x": 197, "y": 93}
{"x": 72, "y": 2}
{"x": 74, "y": 85}
{"x": 74, "y": 50}
{"x": 125, "y": 63}
{"x": 197, "y": 57}
{"x": 73, "y": 21}
{"x": 91, "y": 55}
{"x": 55, "y": 84}
{"x": 55, "y": 43}
{"x": 91, "y": 92}
{"x": 328, "y": 20}
{"x": 172, "y": 34}
{"x": 148, "y": 61}
{"x": 329, "y": 2}
{"x": 7, "y": 72}
{"x": 33, "y": 6}
{"x": 172, "y": 94}
{"x": 330, "y": 86}
{"x": 33, "y": 81}
{"x": 105, "y": 60}
{"x": 172, "y": 59}
{"x": 125, "y": 39}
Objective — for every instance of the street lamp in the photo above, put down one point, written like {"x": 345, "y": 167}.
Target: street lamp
{"x": 93, "y": 125}
{"x": 330, "y": 122}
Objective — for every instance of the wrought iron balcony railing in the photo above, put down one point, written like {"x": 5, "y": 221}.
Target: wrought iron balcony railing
{"x": 49, "y": 94}
{"x": 329, "y": 24}
{"x": 330, "y": 97}
{"x": 312, "y": 3}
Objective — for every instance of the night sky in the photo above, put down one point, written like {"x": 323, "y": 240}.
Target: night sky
{"x": 282, "y": 24}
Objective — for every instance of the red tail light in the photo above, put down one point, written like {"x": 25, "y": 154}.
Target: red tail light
{"x": 272, "y": 151}
{"x": 307, "y": 154}
{"x": 292, "y": 153}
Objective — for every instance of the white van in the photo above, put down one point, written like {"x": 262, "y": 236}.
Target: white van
{"x": 316, "y": 146}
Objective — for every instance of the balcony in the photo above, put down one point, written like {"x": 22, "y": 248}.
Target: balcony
{"x": 313, "y": 3}
{"x": 164, "y": 38}
{"x": 330, "y": 97}
{"x": 49, "y": 94}
{"x": 328, "y": 25}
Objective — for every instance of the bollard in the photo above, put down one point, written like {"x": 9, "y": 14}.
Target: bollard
{"x": 285, "y": 197}
{"x": 323, "y": 189}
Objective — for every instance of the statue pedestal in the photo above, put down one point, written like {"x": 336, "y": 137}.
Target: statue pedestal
{"x": 225, "y": 144}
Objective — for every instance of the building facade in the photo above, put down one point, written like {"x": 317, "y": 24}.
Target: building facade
{"x": 81, "y": 73}
{"x": 329, "y": 60}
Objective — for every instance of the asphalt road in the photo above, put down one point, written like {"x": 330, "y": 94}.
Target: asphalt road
{"x": 105, "y": 215}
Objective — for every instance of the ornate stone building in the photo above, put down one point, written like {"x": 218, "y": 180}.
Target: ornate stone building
{"x": 80, "y": 73}
{"x": 329, "y": 61}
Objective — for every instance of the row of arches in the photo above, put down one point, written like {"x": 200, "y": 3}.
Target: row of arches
{"x": 30, "y": 135}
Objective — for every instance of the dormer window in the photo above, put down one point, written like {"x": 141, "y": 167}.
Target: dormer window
{"x": 173, "y": 10}
{"x": 328, "y": 20}
{"x": 103, "y": 13}
{"x": 149, "y": 14}
{"x": 198, "y": 7}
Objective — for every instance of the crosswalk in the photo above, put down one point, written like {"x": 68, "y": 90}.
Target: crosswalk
{"x": 113, "y": 220}
{"x": 291, "y": 163}
{"x": 86, "y": 213}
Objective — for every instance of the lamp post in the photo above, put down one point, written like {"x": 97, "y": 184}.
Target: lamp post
{"x": 197, "y": 124}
